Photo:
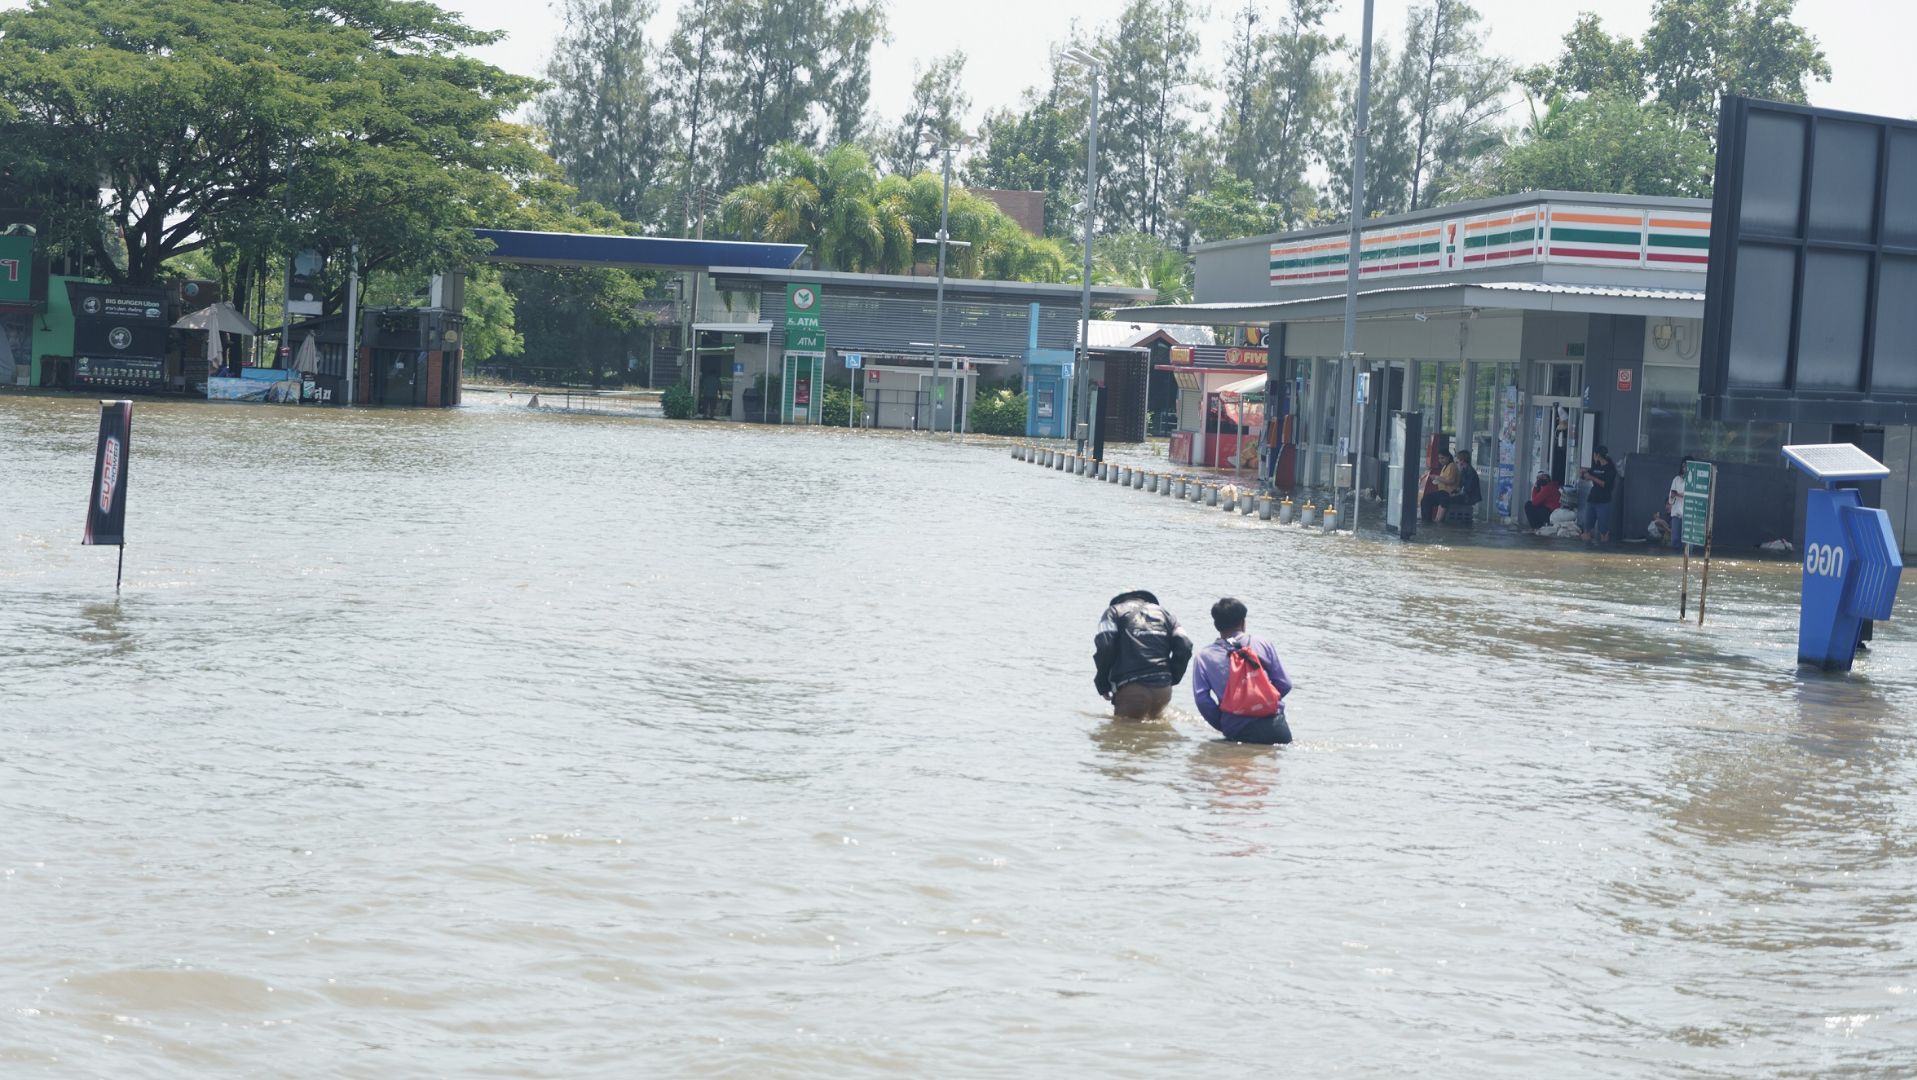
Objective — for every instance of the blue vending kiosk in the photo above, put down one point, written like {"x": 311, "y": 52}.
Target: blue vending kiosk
{"x": 1048, "y": 387}
{"x": 1851, "y": 560}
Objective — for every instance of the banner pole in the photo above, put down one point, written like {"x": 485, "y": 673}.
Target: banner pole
{"x": 1710, "y": 527}
{"x": 119, "y": 569}
{"x": 1684, "y": 590}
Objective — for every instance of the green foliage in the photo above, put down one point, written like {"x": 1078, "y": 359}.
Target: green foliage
{"x": 935, "y": 117}
{"x": 1141, "y": 261}
{"x": 311, "y": 124}
{"x": 1145, "y": 118}
{"x": 853, "y": 220}
{"x": 677, "y": 401}
{"x": 1280, "y": 101}
{"x": 1694, "y": 53}
{"x": 600, "y": 111}
{"x": 489, "y": 331}
{"x": 1228, "y": 210}
{"x": 999, "y": 412}
{"x": 1040, "y": 147}
{"x": 835, "y": 405}
{"x": 1607, "y": 142}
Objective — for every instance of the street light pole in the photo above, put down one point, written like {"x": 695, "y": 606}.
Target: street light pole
{"x": 1082, "y": 377}
{"x": 938, "y": 316}
{"x": 1353, "y": 257}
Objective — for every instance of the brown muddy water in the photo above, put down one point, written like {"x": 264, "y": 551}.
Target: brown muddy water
{"x": 488, "y": 743}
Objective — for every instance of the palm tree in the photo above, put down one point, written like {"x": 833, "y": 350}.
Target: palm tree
{"x": 1141, "y": 261}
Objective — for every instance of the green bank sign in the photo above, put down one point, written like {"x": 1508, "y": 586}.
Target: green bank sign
{"x": 803, "y": 333}
{"x": 16, "y": 269}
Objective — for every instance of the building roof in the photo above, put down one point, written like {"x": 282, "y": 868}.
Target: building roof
{"x": 631, "y": 252}
{"x": 1410, "y": 299}
{"x": 1130, "y": 334}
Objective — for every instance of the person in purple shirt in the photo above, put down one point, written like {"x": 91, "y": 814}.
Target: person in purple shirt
{"x": 1212, "y": 666}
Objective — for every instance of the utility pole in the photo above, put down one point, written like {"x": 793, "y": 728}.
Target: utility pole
{"x": 1082, "y": 376}
{"x": 1353, "y": 257}
{"x": 352, "y": 320}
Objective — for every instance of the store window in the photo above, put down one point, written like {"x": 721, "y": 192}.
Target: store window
{"x": 1670, "y": 424}
{"x": 1438, "y": 395}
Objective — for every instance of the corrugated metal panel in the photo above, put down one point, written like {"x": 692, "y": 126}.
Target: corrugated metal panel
{"x": 901, "y": 321}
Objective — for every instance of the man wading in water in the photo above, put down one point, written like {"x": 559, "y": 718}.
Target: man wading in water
{"x": 1239, "y": 684}
{"x": 1141, "y": 654}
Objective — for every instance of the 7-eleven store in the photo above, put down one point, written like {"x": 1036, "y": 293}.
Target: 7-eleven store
{"x": 1525, "y": 328}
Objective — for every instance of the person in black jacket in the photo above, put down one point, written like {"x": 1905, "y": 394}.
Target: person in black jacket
{"x": 1141, "y": 653}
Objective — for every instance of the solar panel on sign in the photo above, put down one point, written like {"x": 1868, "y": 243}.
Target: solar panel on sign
{"x": 1836, "y": 461}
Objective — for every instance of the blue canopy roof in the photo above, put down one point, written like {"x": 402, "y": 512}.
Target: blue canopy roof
{"x": 634, "y": 252}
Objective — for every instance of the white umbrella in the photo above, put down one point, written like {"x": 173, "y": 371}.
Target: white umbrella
{"x": 223, "y": 317}
{"x": 306, "y": 360}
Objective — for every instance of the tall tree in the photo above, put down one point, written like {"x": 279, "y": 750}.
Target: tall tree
{"x": 266, "y": 124}
{"x": 1694, "y": 53}
{"x": 785, "y": 69}
{"x": 1039, "y": 146}
{"x": 688, "y": 68}
{"x": 934, "y": 117}
{"x": 1610, "y": 142}
{"x": 1281, "y": 102}
{"x": 600, "y": 111}
{"x": 1452, "y": 91}
{"x": 1145, "y": 124}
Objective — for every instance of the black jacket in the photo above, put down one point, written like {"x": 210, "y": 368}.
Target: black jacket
{"x": 1139, "y": 642}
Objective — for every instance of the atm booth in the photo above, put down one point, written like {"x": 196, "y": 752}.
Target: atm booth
{"x": 1221, "y": 413}
{"x": 1048, "y": 393}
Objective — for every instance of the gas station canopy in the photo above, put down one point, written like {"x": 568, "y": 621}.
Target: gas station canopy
{"x": 634, "y": 252}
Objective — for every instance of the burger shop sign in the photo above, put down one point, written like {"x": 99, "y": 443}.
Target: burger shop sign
{"x": 119, "y": 335}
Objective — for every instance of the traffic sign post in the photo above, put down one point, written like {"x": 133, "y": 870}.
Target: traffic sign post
{"x": 1852, "y": 563}
{"x": 853, "y": 362}
{"x": 1700, "y": 504}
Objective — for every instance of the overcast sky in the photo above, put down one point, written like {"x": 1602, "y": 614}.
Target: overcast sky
{"x": 1006, "y": 42}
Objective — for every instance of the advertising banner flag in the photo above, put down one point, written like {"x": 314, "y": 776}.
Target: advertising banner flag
{"x": 106, "y": 502}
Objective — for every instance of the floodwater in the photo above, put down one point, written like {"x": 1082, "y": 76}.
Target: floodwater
{"x": 490, "y": 743}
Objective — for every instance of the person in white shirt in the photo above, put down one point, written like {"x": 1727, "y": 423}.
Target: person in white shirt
{"x": 1674, "y": 504}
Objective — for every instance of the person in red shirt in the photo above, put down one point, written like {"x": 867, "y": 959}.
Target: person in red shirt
{"x": 1546, "y": 496}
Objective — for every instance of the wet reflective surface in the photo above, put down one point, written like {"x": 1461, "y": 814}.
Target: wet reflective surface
{"x": 482, "y": 742}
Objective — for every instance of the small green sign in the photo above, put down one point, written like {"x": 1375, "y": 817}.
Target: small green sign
{"x": 16, "y": 269}
{"x": 803, "y": 331}
{"x": 1699, "y": 477}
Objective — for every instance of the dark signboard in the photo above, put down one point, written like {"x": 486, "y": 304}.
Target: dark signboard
{"x": 1809, "y": 312}
{"x": 120, "y": 372}
{"x": 106, "y": 501}
{"x": 118, "y": 320}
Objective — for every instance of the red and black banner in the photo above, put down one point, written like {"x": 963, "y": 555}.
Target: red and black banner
{"x": 106, "y": 503}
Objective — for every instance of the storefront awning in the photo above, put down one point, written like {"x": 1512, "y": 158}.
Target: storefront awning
{"x": 1411, "y": 299}
{"x": 1253, "y": 385}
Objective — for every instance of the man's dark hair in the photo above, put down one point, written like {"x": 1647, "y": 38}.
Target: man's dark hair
{"x": 1228, "y": 614}
{"x": 1464, "y": 456}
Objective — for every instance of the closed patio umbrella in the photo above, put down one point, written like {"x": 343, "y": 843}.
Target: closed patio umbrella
{"x": 306, "y": 360}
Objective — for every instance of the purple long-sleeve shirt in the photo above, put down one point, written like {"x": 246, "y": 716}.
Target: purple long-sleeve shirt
{"x": 1212, "y": 667}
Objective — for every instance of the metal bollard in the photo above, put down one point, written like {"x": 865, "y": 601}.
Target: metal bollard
{"x": 1247, "y": 502}
{"x": 1111, "y": 474}
{"x": 1287, "y": 511}
{"x": 1211, "y": 495}
{"x": 1165, "y": 484}
{"x": 1308, "y": 514}
{"x": 1331, "y": 518}
{"x": 1138, "y": 479}
{"x": 1264, "y": 508}
{"x": 1125, "y": 476}
{"x": 1228, "y": 498}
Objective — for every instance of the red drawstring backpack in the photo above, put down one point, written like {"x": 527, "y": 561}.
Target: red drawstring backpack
{"x": 1248, "y": 690}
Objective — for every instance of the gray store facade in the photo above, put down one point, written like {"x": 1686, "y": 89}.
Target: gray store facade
{"x": 1527, "y": 329}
